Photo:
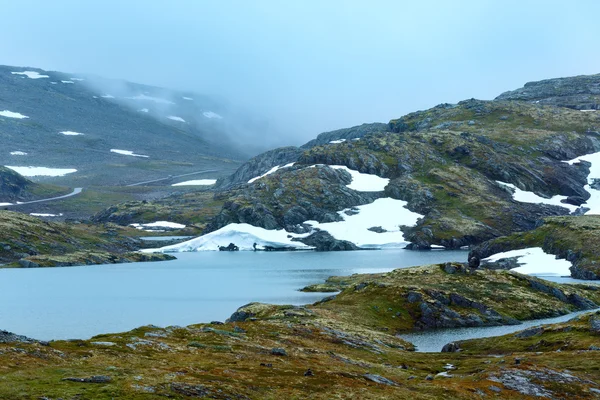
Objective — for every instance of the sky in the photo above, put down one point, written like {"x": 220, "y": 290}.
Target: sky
{"x": 310, "y": 66}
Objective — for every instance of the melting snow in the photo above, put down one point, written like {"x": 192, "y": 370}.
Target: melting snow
{"x": 150, "y": 98}
{"x": 127, "y": 153}
{"x": 31, "y": 74}
{"x": 174, "y": 118}
{"x": 242, "y": 235}
{"x": 534, "y": 261}
{"x": 158, "y": 224}
{"x": 364, "y": 182}
{"x": 107, "y": 96}
{"x": 210, "y": 114}
{"x": 269, "y": 172}
{"x": 530, "y": 197}
{"x": 42, "y": 171}
{"x": 10, "y": 114}
{"x": 71, "y": 133}
{"x": 18, "y": 153}
{"x": 197, "y": 182}
{"x": 187, "y": 98}
{"x": 387, "y": 213}
{"x": 67, "y": 82}
{"x": 593, "y": 203}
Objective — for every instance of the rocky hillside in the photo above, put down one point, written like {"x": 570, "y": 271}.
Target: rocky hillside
{"x": 16, "y": 188}
{"x": 575, "y": 239}
{"x": 578, "y": 92}
{"x": 324, "y": 351}
{"x": 27, "y": 241}
{"x": 72, "y": 121}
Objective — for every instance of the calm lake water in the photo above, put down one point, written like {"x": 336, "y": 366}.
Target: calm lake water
{"x": 79, "y": 302}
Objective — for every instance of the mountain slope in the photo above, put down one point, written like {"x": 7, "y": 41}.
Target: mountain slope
{"x": 58, "y": 120}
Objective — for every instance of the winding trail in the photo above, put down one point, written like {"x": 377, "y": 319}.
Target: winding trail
{"x": 75, "y": 191}
{"x": 171, "y": 177}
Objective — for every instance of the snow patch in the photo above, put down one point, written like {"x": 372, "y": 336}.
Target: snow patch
{"x": 269, "y": 172}
{"x": 187, "y": 98}
{"x": 54, "y": 83}
{"x": 242, "y": 235}
{"x": 67, "y": 82}
{"x": 211, "y": 115}
{"x": 144, "y": 110}
{"x": 71, "y": 133}
{"x": 127, "y": 153}
{"x": 386, "y": 213}
{"x": 18, "y": 153}
{"x": 337, "y": 141}
{"x": 150, "y": 98}
{"x": 42, "y": 171}
{"x": 158, "y": 224}
{"x": 10, "y": 114}
{"x": 197, "y": 182}
{"x": 31, "y": 74}
{"x": 106, "y": 96}
{"x": 45, "y": 215}
{"x": 593, "y": 203}
{"x": 530, "y": 197}
{"x": 77, "y": 79}
{"x": 364, "y": 182}
{"x": 534, "y": 261}
{"x": 174, "y": 118}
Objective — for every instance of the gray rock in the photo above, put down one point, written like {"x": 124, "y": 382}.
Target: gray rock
{"x": 380, "y": 379}
{"x": 91, "y": 379}
{"x": 278, "y": 351}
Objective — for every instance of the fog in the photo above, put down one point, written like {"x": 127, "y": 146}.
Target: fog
{"x": 304, "y": 67}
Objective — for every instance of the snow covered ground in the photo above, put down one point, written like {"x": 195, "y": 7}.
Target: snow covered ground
{"x": 530, "y": 197}
{"x": 150, "y": 98}
{"x": 18, "y": 153}
{"x": 364, "y": 182}
{"x": 269, "y": 172}
{"x": 10, "y": 114}
{"x": 42, "y": 171}
{"x": 211, "y": 115}
{"x": 31, "y": 74}
{"x": 242, "y": 235}
{"x": 71, "y": 133}
{"x": 593, "y": 202}
{"x": 534, "y": 261}
{"x": 386, "y": 213}
{"x": 197, "y": 182}
{"x": 174, "y": 118}
{"x": 158, "y": 224}
{"x": 127, "y": 153}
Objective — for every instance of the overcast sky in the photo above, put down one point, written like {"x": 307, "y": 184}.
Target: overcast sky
{"x": 310, "y": 66}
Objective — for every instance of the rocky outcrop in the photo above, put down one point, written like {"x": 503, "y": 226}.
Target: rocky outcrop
{"x": 12, "y": 185}
{"x": 90, "y": 258}
{"x": 323, "y": 241}
{"x": 347, "y": 134}
{"x": 578, "y": 92}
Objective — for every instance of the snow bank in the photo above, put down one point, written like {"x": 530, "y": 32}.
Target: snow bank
{"x": 364, "y": 182}
{"x": 534, "y": 261}
{"x": 158, "y": 224}
{"x": 593, "y": 203}
{"x": 386, "y": 213}
{"x": 10, "y": 114}
{"x": 242, "y": 235}
{"x": 530, "y": 197}
{"x": 174, "y": 118}
{"x": 71, "y": 133}
{"x": 269, "y": 172}
{"x": 18, "y": 153}
{"x": 127, "y": 153}
{"x": 31, "y": 74}
{"x": 210, "y": 114}
{"x": 197, "y": 182}
{"x": 42, "y": 171}
{"x": 150, "y": 98}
